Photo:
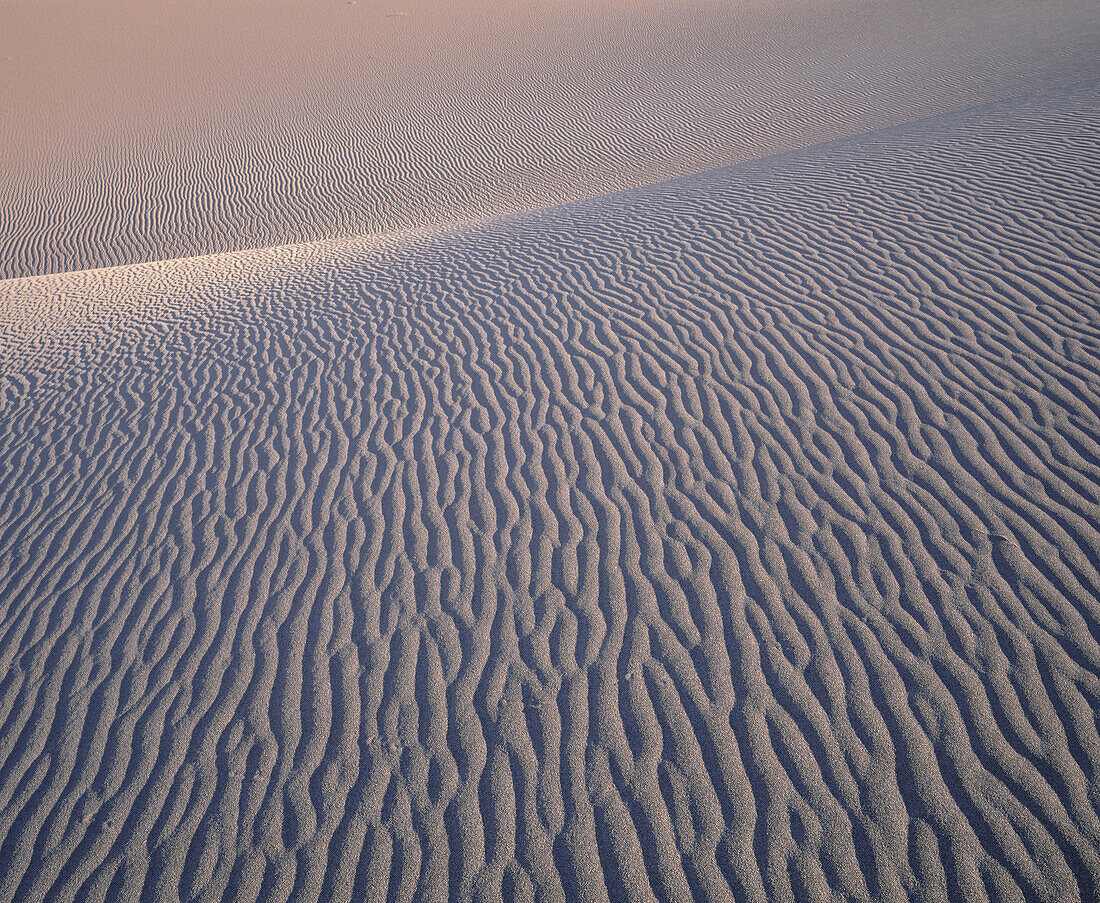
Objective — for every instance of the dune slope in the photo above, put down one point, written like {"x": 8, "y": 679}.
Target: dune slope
{"x": 734, "y": 537}
{"x": 139, "y": 130}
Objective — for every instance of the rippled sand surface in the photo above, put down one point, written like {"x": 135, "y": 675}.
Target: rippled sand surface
{"x": 138, "y": 131}
{"x": 733, "y": 537}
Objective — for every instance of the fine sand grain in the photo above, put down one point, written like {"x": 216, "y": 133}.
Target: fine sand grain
{"x": 729, "y": 538}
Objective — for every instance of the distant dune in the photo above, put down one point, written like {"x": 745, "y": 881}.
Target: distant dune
{"x": 736, "y": 537}
{"x": 141, "y": 130}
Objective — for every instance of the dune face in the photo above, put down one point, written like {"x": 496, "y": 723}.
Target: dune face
{"x": 139, "y": 131}
{"x": 730, "y": 538}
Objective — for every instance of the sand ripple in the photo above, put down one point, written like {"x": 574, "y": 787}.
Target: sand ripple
{"x": 137, "y": 130}
{"x": 736, "y": 537}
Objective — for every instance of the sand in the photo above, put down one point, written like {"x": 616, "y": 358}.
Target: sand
{"x": 730, "y": 537}
{"x": 142, "y": 130}
{"x": 734, "y": 537}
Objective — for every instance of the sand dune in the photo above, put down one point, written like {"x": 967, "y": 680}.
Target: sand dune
{"x": 735, "y": 537}
{"x": 139, "y": 130}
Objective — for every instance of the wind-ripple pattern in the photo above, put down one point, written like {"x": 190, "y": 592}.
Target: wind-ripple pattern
{"x": 734, "y": 538}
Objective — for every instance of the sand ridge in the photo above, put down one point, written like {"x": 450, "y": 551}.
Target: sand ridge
{"x": 729, "y": 538}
